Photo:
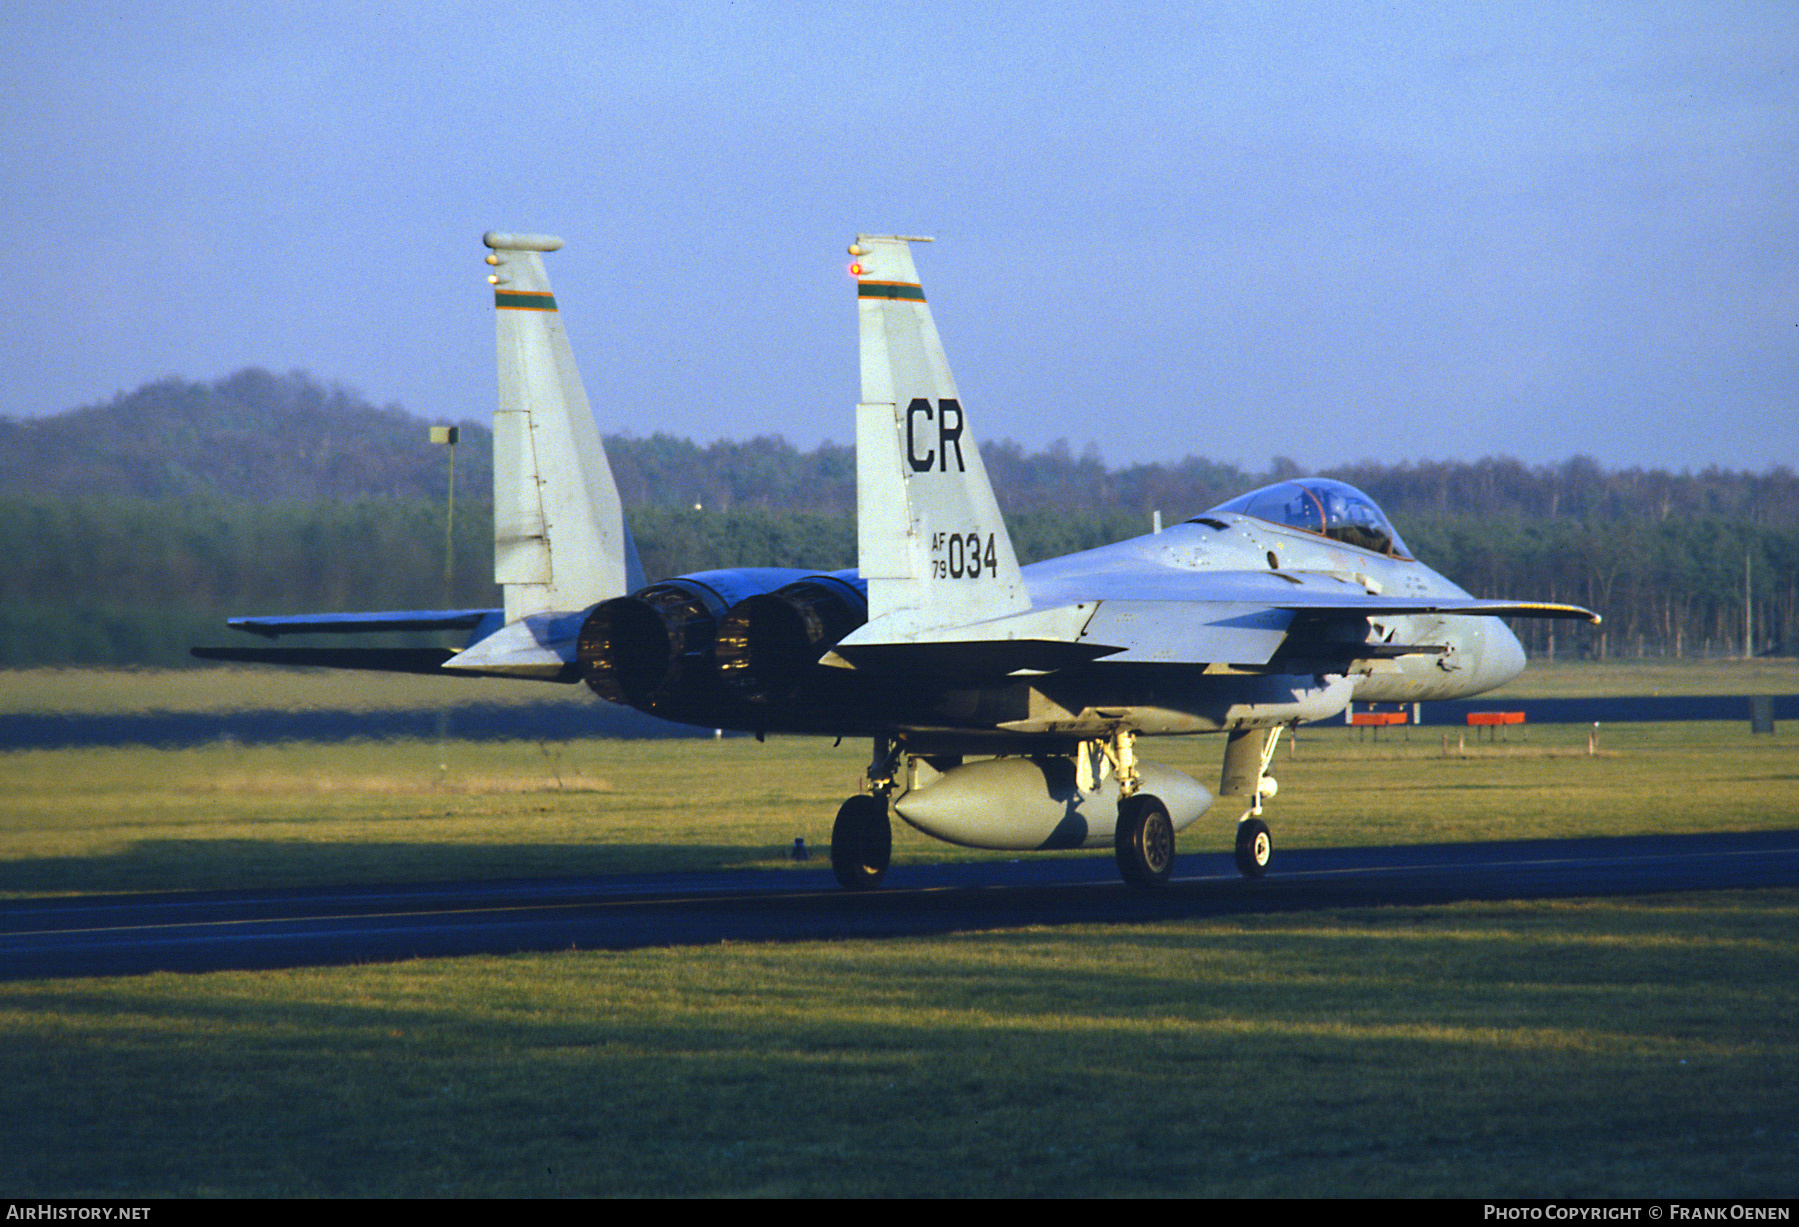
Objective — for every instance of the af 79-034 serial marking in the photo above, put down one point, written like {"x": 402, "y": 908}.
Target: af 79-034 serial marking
{"x": 960, "y": 556}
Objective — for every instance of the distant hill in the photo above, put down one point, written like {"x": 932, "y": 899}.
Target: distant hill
{"x": 252, "y": 436}
{"x": 258, "y": 437}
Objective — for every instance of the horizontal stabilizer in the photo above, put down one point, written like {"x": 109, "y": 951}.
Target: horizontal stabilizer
{"x": 384, "y": 660}
{"x": 363, "y": 623}
{"x": 538, "y": 646}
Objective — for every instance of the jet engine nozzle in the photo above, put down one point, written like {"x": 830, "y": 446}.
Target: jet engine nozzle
{"x": 648, "y": 647}
{"x": 769, "y": 642}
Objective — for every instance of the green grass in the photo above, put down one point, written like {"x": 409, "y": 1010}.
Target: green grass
{"x": 111, "y": 691}
{"x": 133, "y": 819}
{"x": 1610, "y": 1048}
{"x": 223, "y": 816}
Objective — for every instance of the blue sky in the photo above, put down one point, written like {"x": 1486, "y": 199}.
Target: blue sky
{"x": 1325, "y": 231}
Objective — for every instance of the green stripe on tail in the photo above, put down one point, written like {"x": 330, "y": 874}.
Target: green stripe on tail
{"x": 514, "y": 300}
{"x": 888, "y": 289}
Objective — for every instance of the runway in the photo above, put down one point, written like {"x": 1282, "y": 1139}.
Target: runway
{"x": 193, "y": 932}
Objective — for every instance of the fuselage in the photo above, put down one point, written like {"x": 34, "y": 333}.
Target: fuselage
{"x": 1229, "y": 621}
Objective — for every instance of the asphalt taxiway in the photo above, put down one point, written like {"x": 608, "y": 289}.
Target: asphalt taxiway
{"x": 194, "y": 932}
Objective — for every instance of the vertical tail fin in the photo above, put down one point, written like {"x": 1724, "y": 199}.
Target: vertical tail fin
{"x": 930, "y": 539}
{"x": 560, "y": 541}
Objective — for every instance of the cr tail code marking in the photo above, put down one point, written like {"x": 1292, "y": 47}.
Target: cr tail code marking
{"x": 524, "y": 300}
{"x": 948, "y": 435}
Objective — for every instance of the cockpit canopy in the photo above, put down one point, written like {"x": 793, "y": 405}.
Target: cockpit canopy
{"x": 1332, "y": 509}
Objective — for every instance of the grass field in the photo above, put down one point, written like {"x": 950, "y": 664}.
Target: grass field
{"x": 1622, "y": 1048}
{"x": 1610, "y": 1047}
{"x": 222, "y": 816}
{"x": 107, "y": 691}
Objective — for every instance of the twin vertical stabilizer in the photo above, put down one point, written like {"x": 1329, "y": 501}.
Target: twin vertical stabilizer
{"x": 930, "y": 539}
{"x": 560, "y": 541}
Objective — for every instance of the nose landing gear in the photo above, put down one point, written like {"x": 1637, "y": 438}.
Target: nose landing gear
{"x": 1254, "y": 847}
{"x": 1247, "y": 757}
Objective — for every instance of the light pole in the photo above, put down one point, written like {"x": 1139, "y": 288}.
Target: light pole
{"x": 447, "y": 436}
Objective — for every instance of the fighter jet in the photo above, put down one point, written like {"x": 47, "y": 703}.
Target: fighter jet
{"x": 1005, "y": 703}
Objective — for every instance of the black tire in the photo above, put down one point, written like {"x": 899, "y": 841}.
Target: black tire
{"x": 861, "y": 842}
{"x": 1255, "y": 847}
{"x": 1144, "y": 840}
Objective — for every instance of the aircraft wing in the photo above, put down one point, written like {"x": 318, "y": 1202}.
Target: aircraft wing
{"x": 1308, "y": 631}
{"x": 384, "y": 660}
{"x": 540, "y": 646}
{"x": 1230, "y": 618}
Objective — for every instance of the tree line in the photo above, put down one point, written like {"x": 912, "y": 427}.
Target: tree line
{"x": 136, "y": 581}
{"x": 260, "y": 437}
{"x": 133, "y": 527}
{"x": 1675, "y": 587}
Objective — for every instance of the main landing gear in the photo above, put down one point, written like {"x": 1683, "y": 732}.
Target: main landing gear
{"x": 1143, "y": 832}
{"x": 862, "y": 836}
{"x": 861, "y": 842}
{"x": 1144, "y": 841}
{"x": 973, "y": 804}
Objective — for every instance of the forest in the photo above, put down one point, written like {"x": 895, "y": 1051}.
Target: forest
{"x": 134, "y": 527}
